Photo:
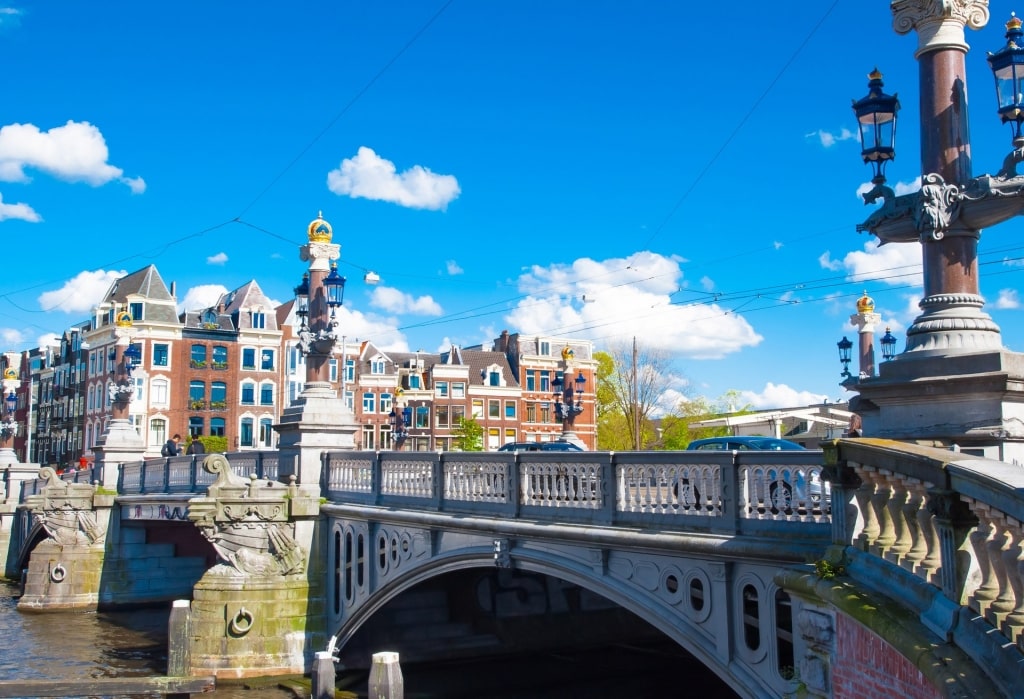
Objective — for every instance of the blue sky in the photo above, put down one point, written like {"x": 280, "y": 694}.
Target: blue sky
{"x": 685, "y": 175}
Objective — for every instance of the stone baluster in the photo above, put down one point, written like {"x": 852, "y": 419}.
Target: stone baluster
{"x": 911, "y": 517}
{"x": 1013, "y": 555}
{"x": 954, "y": 521}
{"x": 895, "y": 509}
{"x": 998, "y": 545}
{"x": 988, "y": 585}
{"x": 864, "y": 496}
{"x": 932, "y": 562}
{"x": 879, "y": 505}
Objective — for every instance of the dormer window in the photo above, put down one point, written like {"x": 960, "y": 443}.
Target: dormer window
{"x": 259, "y": 320}
{"x": 377, "y": 365}
{"x": 209, "y": 318}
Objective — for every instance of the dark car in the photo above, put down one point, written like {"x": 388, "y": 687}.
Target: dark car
{"x": 539, "y": 446}
{"x": 750, "y": 443}
{"x": 779, "y": 498}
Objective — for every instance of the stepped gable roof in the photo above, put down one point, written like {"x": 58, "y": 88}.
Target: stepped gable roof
{"x": 147, "y": 283}
{"x": 249, "y": 297}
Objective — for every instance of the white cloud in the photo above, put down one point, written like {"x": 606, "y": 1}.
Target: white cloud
{"x": 219, "y": 259}
{"x": 394, "y": 301}
{"x": 136, "y": 184}
{"x": 356, "y": 326}
{"x": 1008, "y": 300}
{"x": 369, "y": 176}
{"x": 898, "y": 264}
{"x": 11, "y": 336}
{"x": 707, "y": 283}
{"x": 453, "y": 268}
{"x": 80, "y": 294}
{"x": 777, "y": 245}
{"x": 779, "y": 396}
{"x": 75, "y": 152}
{"x": 829, "y": 139}
{"x": 48, "y": 340}
{"x": 23, "y": 212}
{"x": 631, "y": 298}
{"x": 10, "y": 17}
{"x": 202, "y": 296}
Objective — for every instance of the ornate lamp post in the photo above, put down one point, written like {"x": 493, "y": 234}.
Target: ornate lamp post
{"x": 8, "y": 425}
{"x": 845, "y": 346}
{"x": 568, "y": 397}
{"x": 888, "y": 343}
{"x": 945, "y": 217}
{"x": 399, "y": 418}
{"x": 125, "y": 360}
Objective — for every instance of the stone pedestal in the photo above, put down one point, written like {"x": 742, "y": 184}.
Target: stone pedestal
{"x": 974, "y": 400}
{"x": 119, "y": 444}
{"x": 249, "y": 627}
{"x": 318, "y": 421}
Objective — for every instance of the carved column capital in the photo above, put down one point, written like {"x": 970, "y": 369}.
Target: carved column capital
{"x": 939, "y": 23}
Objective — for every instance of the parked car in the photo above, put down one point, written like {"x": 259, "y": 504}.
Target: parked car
{"x": 746, "y": 443}
{"x": 539, "y": 446}
{"x": 807, "y": 489}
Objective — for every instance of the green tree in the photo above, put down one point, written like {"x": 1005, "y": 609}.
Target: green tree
{"x": 634, "y": 388}
{"x": 469, "y": 435}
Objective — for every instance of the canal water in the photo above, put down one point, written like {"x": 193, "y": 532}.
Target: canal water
{"x": 134, "y": 643}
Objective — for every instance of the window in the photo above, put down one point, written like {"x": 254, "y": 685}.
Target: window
{"x": 494, "y": 378}
{"x": 159, "y": 391}
{"x": 266, "y": 432}
{"x": 368, "y": 437}
{"x": 267, "y": 360}
{"x": 220, "y": 357}
{"x": 140, "y": 389}
{"x": 545, "y": 381}
{"x": 751, "y": 618}
{"x": 350, "y": 370}
{"x": 784, "y": 634}
{"x": 218, "y": 395}
{"x": 441, "y": 412}
{"x": 259, "y": 320}
{"x": 196, "y": 395}
{"x": 195, "y": 426}
{"x": 249, "y": 358}
{"x": 136, "y": 310}
{"x": 458, "y": 413}
{"x": 369, "y": 403}
{"x": 478, "y": 408}
{"x": 494, "y": 408}
{"x": 531, "y": 412}
{"x": 157, "y": 431}
{"x": 248, "y": 393}
{"x": 510, "y": 435}
{"x": 510, "y": 409}
{"x": 210, "y": 320}
{"x": 545, "y": 348}
{"x": 385, "y": 403}
{"x": 377, "y": 365}
{"x": 441, "y": 388}
{"x": 531, "y": 380}
{"x": 266, "y": 394}
{"x": 217, "y": 427}
{"x": 332, "y": 369}
{"x": 545, "y": 412}
{"x": 458, "y": 390}
{"x": 350, "y": 400}
{"x": 245, "y": 433}
{"x": 160, "y": 354}
{"x": 198, "y": 356}
{"x": 422, "y": 416}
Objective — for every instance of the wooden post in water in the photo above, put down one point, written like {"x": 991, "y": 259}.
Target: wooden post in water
{"x": 386, "y": 677}
{"x": 179, "y": 632}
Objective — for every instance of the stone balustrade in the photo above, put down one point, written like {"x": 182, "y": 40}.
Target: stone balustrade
{"x": 950, "y": 521}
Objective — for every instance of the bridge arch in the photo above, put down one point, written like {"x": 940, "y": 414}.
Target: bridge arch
{"x": 694, "y": 602}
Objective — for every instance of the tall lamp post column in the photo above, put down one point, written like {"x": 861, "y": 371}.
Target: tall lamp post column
{"x": 568, "y": 395}
{"x": 8, "y": 424}
{"x": 120, "y": 441}
{"x": 318, "y": 420}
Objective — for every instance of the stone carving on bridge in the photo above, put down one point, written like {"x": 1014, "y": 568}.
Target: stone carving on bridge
{"x": 249, "y": 523}
{"x": 66, "y": 511}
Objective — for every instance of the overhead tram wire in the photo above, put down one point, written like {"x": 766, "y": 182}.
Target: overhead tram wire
{"x": 746, "y": 117}
{"x": 344, "y": 110}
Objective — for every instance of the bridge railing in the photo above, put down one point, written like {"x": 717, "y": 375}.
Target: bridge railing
{"x": 949, "y": 522}
{"x": 185, "y": 474}
{"x": 717, "y": 491}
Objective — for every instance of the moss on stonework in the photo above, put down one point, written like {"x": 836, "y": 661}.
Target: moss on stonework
{"x": 945, "y": 666}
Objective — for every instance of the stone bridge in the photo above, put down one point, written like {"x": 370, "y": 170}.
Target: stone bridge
{"x": 871, "y": 564}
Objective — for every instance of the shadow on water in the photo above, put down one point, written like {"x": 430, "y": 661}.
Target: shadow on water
{"x": 134, "y": 643}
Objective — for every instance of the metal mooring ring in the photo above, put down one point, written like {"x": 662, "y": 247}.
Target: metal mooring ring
{"x": 58, "y": 573}
{"x": 241, "y": 624}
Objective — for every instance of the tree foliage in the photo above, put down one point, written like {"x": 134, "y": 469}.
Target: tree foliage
{"x": 469, "y": 435}
{"x": 630, "y": 392}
